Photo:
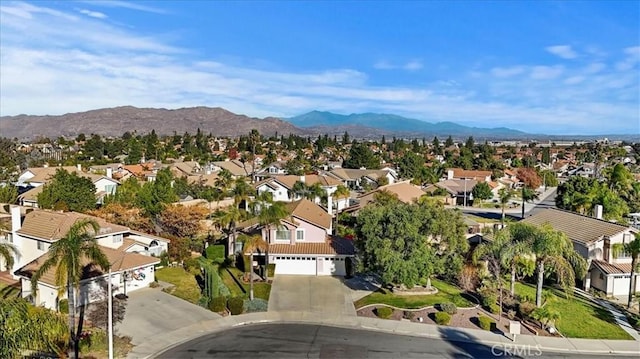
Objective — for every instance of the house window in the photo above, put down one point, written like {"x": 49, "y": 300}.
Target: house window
{"x": 299, "y": 234}
{"x": 40, "y": 246}
{"x": 117, "y": 238}
{"x": 283, "y": 234}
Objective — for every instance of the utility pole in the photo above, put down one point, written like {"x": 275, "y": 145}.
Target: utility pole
{"x": 110, "y": 314}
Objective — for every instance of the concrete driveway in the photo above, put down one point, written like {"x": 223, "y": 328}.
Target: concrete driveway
{"x": 323, "y": 295}
{"x": 151, "y": 311}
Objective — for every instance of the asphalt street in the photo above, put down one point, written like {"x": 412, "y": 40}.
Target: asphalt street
{"x": 316, "y": 341}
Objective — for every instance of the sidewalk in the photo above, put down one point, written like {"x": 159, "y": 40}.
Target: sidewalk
{"x": 545, "y": 344}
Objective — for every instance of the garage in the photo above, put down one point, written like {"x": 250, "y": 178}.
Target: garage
{"x": 310, "y": 265}
{"x": 303, "y": 265}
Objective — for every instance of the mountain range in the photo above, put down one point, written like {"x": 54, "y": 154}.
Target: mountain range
{"x": 115, "y": 121}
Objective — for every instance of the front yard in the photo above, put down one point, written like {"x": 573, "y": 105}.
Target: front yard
{"x": 446, "y": 293}
{"x": 240, "y": 289}
{"x": 579, "y": 318}
{"x": 184, "y": 283}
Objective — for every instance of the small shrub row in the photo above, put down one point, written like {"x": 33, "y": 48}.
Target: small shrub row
{"x": 235, "y": 305}
{"x": 485, "y": 322}
{"x": 255, "y": 305}
{"x": 449, "y": 308}
{"x": 218, "y": 304}
{"x": 442, "y": 318}
{"x": 384, "y": 312}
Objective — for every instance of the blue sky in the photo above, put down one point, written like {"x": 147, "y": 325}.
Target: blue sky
{"x": 541, "y": 67}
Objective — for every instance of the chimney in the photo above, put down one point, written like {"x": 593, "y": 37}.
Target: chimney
{"x": 109, "y": 172}
{"x": 302, "y": 178}
{"x": 450, "y": 174}
{"x": 329, "y": 204}
{"x": 79, "y": 167}
{"x": 16, "y": 220}
{"x": 597, "y": 211}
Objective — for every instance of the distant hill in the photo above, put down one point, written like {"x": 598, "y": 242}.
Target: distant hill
{"x": 399, "y": 124}
{"x": 116, "y": 121}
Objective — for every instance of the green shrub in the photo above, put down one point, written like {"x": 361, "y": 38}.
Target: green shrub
{"x": 489, "y": 299}
{"x": 485, "y": 322}
{"x": 407, "y": 314}
{"x": 191, "y": 265}
{"x": 384, "y": 312}
{"x": 448, "y": 308}
{"x": 494, "y": 308}
{"x": 217, "y": 304}
{"x": 235, "y": 305}
{"x": 63, "y": 306}
{"x": 271, "y": 270}
{"x": 442, "y": 318}
{"x": 215, "y": 251}
{"x": 526, "y": 308}
{"x": 255, "y": 305}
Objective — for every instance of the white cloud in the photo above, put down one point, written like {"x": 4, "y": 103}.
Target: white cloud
{"x": 563, "y": 51}
{"x": 96, "y": 14}
{"x": 413, "y": 65}
{"x": 546, "y": 72}
{"x": 126, "y": 5}
{"x": 507, "y": 71}
{"x": 70, "y": 64}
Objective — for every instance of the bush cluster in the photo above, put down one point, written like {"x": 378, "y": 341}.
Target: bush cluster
{"x": 494, "y": 308}
{"x": 448, "y": 308}
{"x": 235, "y": 305}
{"x": 485, "y": 322}
{"x": 271, "y": 270}
{"x": 384, "y": 312}
{"x": 407, "y": 314}
{"x": 255, "y": 305}
{"x": 526, "y": 308}
{"x": 217, "y": 304}
{"x": 442, "y": 318}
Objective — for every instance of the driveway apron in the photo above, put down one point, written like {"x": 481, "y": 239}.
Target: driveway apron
{"x": 151, "y": 312}
{"x": 311, "y": 294}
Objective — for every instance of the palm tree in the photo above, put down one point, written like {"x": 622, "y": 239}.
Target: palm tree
{"x": 224, "y": 181}
{"x": 252, "y": 244}
{"x": 554, "y": 249}
{"x": 519, "y": 248}
{"x": 227, "y": 220}
{"x": 70, "y": 256}
{"x": 272, "y": 215}
{"x": 303, "y": 190}
{"x": 341, "y": 192}
{"x": 505, "y": 195}
{"x": 492, "y": 253}
{"x": 632, "y": 249}
{"x": 241, "y": 192}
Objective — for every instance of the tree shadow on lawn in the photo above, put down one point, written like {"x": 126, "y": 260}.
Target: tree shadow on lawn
{"x": 468, "y": 346}
{"x": 365, "y": 282}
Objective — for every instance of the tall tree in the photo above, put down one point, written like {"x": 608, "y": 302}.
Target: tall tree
{"x": 271, "y": 215}
{"x": 8, "y": 194}
{"x": 360, "y": 155}
{"x": 632, "y": 249}
{"x": 492, "y": 253}
{"x": 250, "y": 245}
{"x": 302, "y": 190}
{"x": 68, "y": 192}
{"x": 154, "y": 196}
{"x": 69, "y": 257}
{"x": 409, "y": 165}
{"x": 482, "y": 191}
{"x": 227, "y": 221}
{"x": 553, "y": 250}
{"x": 505, "y": 195}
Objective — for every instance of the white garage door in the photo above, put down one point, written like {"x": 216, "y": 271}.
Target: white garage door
{"x": 331, "y": 266}
{"x": 295, "y": 265}
{"x": 621, "y": 285}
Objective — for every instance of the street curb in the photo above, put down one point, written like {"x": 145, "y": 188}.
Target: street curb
{"x": 340, "y": 322}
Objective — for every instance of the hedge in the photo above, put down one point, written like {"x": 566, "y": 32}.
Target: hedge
{"x": 384, "y": 312}
{"x": 485, "y": 322}
{"x": 218, "y": 304}
{"x": 442, "y": 318}
{"x": 235, "y": 305}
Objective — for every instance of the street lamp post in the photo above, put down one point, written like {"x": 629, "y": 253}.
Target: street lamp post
{"x": 110, "y": 314}
{"x": 465, "y": 193}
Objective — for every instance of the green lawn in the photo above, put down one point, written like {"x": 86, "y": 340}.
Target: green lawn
{"x": 579, "y": 318}
{"x": 260, "y": 289}
{"x": 446, "y": 293}
{"x": 8, "y": 291}
{"x": 185, "y": 284}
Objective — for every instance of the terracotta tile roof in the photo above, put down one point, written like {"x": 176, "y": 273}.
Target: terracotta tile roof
{"x": 288, "y": 181}
{"x": 577, "y": 227}
{"x": 461, "y": 173}
{"x": 332, "y": 246}
{"x": 354, "y": 174}
{"x": 119, "y": 260}
{"x": 52, "y": 226}
{"x": 613, "y": 268}
{"x": 405, "y": 191}
{"x": 310, "y": 212}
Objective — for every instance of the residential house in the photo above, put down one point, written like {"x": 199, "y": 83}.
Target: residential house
{"x": 357, "y": 178}
{"x": 132, "y": 254}
{"x": 281, "y": 189}
{"x": 404, "y": 191}
{"x": 459, "y": 191}
{"x": 237, "y": 168}
{"x": 303, "y": 244}
{"x": 462, "y": 174}
{"x": 36, "y": 177}
{"x": 274, "y": 169}
{"x": 594, "y": 239}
